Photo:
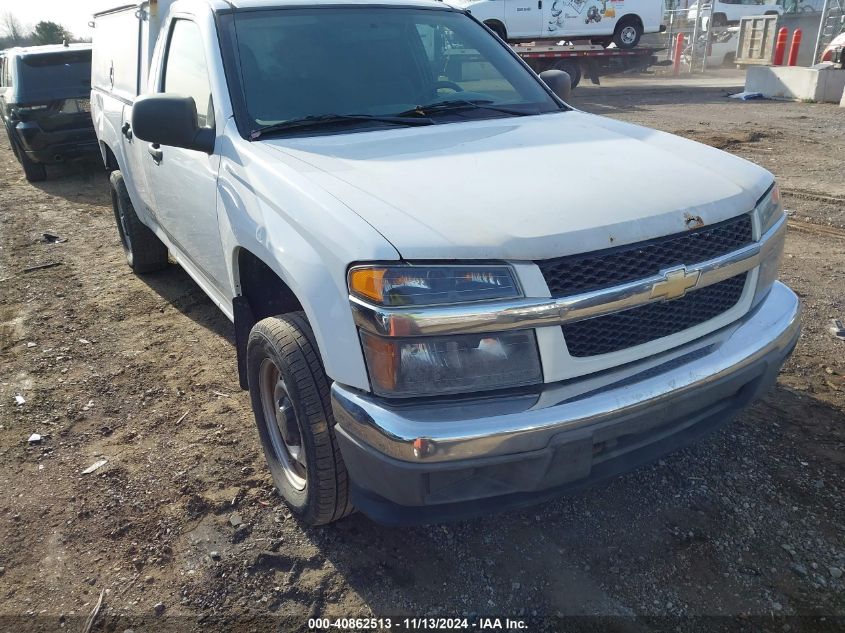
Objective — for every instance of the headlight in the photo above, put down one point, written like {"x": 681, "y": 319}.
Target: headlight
{"x": 421, "y": 285}
{"x": 769, "y": 209}
{"x": 451, "y": 364}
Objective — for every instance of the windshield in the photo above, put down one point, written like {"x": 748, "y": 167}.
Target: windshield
{"x": 377, "y": 61}
{"x": 49, "y": 76}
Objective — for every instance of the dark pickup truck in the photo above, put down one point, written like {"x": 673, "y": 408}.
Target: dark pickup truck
{"x": 44, "y": 104}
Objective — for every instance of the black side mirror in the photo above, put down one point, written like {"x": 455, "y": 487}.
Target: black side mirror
{"x": 559, "y": 82}
{"x": 170, "y": 119}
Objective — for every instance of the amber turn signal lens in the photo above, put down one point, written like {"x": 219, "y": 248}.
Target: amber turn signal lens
{"x": 367, "y": 282}
{"x": 383, "y": 361}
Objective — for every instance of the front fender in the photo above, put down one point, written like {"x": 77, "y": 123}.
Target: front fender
{"x": 306, "y": 236}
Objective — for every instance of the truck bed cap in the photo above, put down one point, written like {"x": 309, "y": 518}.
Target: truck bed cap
{"x": 219, "y": 5}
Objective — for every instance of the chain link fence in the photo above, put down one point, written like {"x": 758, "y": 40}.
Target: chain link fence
{"x": 693, "y": 20}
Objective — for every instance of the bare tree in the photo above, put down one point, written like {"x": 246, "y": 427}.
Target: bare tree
{"x": 10, "y": 23}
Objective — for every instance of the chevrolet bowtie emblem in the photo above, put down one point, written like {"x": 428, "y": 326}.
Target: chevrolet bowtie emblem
{"x": 675, "y": 283}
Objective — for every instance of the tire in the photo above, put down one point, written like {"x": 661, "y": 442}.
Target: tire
{"x": 719, "y": 20}
{"x": 32, "y": 171}
{"x": 573, "y": 69}
{"x": 145, "y": 253}
{"x": 499, "y": 29}
{"x": 290, "y": 399}
{"x": 628, "y": 33}
{"x": 13, "y": 145}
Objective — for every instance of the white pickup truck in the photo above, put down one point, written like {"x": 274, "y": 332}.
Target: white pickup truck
{"x": 452, "y": 293}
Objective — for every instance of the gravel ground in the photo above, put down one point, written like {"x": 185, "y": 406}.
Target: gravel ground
{"x": 181, "y": 528}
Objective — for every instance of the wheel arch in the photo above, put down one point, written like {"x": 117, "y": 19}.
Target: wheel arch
{"x": 108, "y": 156}
{"x": 261, "y": 293}
{"x": 498, "y": 27}
{"x": 630, "y": 18}
{"x": 307, "y": 239}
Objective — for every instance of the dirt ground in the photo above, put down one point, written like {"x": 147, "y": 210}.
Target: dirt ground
{"x": 181, "y": 528}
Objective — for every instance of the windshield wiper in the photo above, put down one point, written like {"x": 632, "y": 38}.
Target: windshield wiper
{"x": 454, "y": 105}
{"x": 332, "y": 119}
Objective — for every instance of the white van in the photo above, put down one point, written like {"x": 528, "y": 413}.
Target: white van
{"x": 620, "y": 21}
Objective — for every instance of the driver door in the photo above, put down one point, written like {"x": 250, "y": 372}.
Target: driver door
{"x": 183, "y": 182}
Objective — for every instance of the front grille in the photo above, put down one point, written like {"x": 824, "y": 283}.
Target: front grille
{"x": 620, "y": 330}
{"x": 574, "y": 274}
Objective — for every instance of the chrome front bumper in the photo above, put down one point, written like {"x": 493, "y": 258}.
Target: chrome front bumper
{"x": 706, "y": 381}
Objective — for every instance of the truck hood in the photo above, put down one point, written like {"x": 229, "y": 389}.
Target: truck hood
{"x": 526, "y": 188}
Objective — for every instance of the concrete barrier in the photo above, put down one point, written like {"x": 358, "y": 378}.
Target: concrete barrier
{"x": 820, "y": 83}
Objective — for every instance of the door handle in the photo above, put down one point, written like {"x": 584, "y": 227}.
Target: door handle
{"x": 155, "y": 151}
{"x": 126, "y": 130}
{"x": 540, "y": 4}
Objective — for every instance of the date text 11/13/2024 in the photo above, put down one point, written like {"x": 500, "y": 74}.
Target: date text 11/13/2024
{"x": 417, "y": 623}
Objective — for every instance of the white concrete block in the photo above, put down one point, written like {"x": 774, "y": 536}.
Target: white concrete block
{"x": 820, "y": 83}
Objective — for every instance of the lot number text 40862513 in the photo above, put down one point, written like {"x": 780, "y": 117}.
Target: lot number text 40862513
{"x": 416, "y": 624}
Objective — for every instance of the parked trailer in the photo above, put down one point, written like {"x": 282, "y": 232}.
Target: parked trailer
{"x": 585, "y": 60}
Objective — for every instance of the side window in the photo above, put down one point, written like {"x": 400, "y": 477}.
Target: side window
{"x": 185, "y": 69}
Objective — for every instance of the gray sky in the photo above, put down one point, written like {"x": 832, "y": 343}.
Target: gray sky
{"x": 73, "y": 14}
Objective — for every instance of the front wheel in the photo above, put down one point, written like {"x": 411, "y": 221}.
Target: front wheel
{"x": 628, "y": 34}
{"x": 292, "y": 406}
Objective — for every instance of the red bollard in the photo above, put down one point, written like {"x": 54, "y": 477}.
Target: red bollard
{"x": 679, "y": 51}
{"x": 780, "y": 46}
{"x": 793, "y": 48}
